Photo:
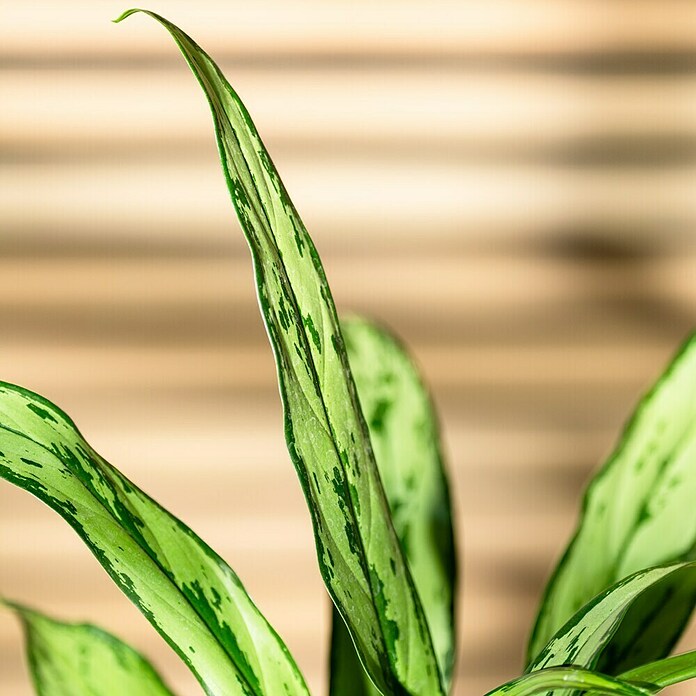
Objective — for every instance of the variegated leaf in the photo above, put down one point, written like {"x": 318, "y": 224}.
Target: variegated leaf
{"x": 359, "y": 554}
{"x": 78, "y": 659}
{"x": 637, "y": 513}
{"x": 588, "y": 634}
{"x": 186, "y": 591}
{"x": 405, "y": 437}
{"x": 566, "y": 678}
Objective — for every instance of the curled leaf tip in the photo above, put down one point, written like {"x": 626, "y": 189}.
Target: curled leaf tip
{"x": 126, "y": 14}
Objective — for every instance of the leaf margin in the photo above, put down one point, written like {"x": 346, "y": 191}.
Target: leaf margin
{"x": 389, "y": 666}
{"x": 535, "y": 642}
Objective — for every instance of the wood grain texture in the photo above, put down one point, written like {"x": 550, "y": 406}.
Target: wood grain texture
{"x": 509, "y": 185}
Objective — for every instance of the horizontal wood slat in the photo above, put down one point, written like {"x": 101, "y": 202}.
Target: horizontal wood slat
{"x": 322, "y": 103}
{"x": 361, "y": 28}
{"x": 459, "y": 203}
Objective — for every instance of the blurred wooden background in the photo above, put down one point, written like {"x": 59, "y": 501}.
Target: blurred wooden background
{"x": 508, "y": 183}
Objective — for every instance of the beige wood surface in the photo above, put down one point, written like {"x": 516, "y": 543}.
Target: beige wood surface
{"x": 508, "y": 184}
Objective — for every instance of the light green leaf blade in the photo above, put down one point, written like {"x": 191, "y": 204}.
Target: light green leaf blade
{"x": 78, "y": 659}
{"x": 587, "y": 635}
{"x": 565, "y": 678}
{"x": 637, "y": 513}
{"x": 359, "y": 554}
{"x": 186, "y": 591}
{"x": 662, "y": 673}
{"x": 405, "y": 436}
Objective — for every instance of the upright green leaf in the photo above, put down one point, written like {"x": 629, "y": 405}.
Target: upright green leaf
{"x": 565, "y": 678}
{"x": 77, "y": 659}
{"x": 404, "y": 433}
{"x": 358, "y": 551}
{"x": 184, "y": 589}
{"x": 637, "y": 513}
{"x": 582, "y": 641}
{"x": 662, "y": 673}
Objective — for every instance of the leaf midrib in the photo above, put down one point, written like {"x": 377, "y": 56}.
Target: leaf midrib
{"x": 307, "y": 349}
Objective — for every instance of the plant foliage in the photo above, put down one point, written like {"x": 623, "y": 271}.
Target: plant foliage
{"x": 404, "y": 434}
{"x": 184, "y": 589}
{"x": 636, "y": 515}
{"x": 83, "y": 659}
{"x": 362, "y": 435}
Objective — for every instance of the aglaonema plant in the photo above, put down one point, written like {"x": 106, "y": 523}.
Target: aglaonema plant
{"x": 363, "y": 438}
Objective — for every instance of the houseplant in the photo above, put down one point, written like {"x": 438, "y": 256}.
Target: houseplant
{"x": 362, "y": 437}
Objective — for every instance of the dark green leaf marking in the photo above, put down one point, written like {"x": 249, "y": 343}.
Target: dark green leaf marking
{"x": 359, "y": 554}
{"x": 405, "y": 437}
{"x": 184, "y": 589}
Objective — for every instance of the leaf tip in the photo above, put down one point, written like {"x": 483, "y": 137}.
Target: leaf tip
{"x": 126, "y": 14}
